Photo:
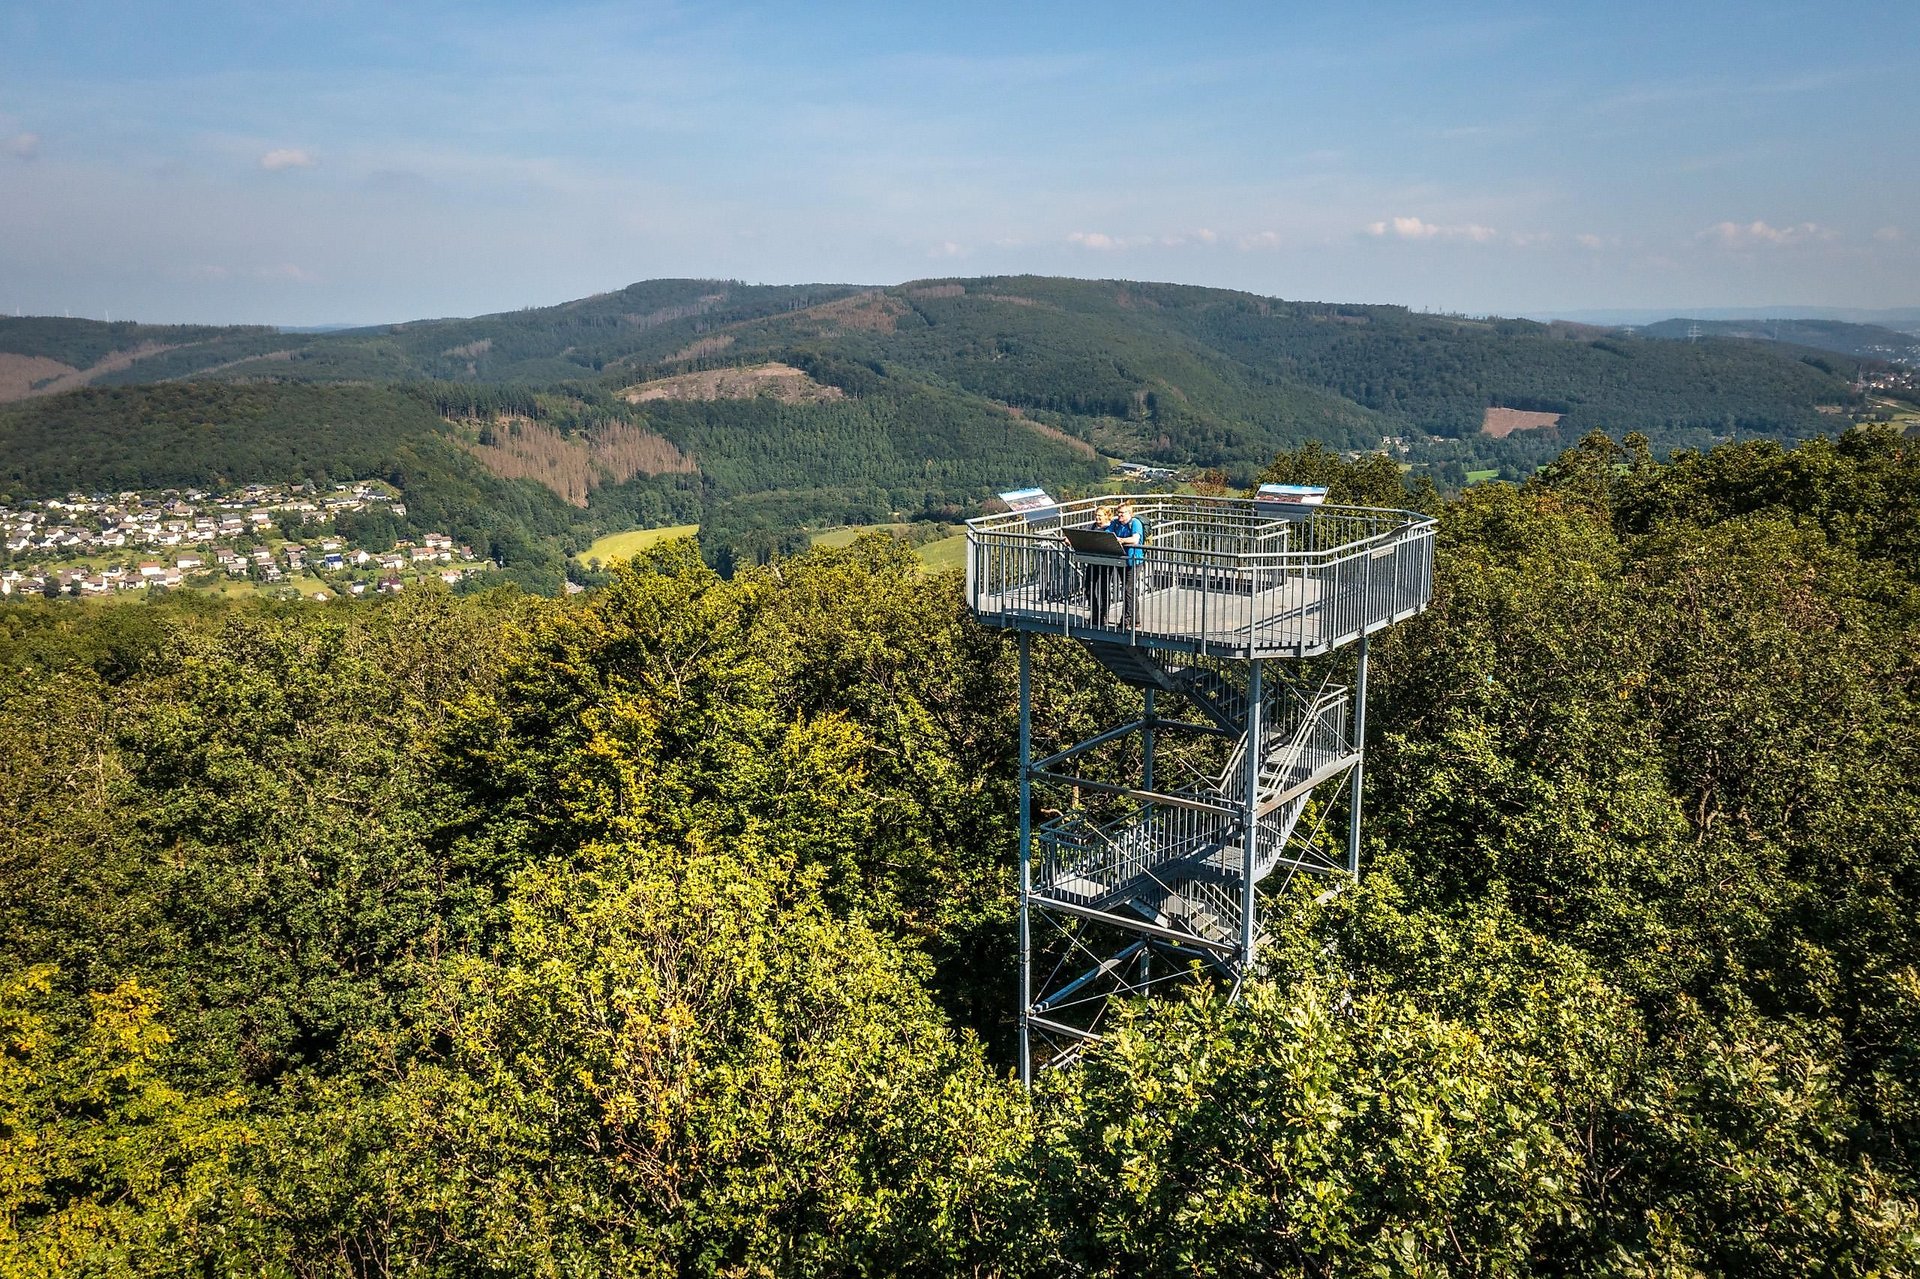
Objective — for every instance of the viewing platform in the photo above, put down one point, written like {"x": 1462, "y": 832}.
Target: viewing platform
{"x": 1239, "y": 578}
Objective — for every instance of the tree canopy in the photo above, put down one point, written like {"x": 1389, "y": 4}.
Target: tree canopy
{"x": 667, "y": 929}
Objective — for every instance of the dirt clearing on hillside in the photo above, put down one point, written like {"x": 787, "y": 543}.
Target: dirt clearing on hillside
{"x": 20, "y": 374}
{"x": 518, "y": 448}
{"x": 1500, "y": 423}
{"x": 781, "y": 381}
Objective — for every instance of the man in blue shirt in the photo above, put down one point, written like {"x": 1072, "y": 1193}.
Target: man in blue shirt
{"x": 1127, "y": 527}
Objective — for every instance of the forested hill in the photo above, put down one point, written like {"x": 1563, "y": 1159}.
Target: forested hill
{"x": 670, "y": 929}
{"x": 1187, "y": 374}
{"x": 534, "y": 476}
{"x": 758, "y": 411}
{"x": 539, "y": 345}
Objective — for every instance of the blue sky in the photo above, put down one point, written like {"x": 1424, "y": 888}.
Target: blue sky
{"x": 324, "y": 161}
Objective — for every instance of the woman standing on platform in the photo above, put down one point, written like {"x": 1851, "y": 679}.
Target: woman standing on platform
{"x": 1100, "y": 576}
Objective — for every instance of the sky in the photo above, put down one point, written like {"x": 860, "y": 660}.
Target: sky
{"x": 332, "y": 161}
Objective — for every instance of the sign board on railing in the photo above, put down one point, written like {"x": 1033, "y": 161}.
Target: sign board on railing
{"x": 1032, "y": 505}
{"x": 1288, "y": 501}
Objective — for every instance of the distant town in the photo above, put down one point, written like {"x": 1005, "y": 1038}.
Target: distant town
{"x": 275, "y": 539}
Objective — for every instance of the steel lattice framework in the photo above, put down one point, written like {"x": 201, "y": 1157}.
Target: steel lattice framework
{"x": 1159, "y": 833}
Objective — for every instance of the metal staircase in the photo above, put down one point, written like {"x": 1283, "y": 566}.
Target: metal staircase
{"x": 1206, "y": 686}
{"x": 1175, "y": 859}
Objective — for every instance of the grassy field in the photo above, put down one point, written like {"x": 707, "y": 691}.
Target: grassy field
{"x": 620, "y": 546}
{"x": 948, "y": 552}
{"x": 1905, "y": 417}
{"x": 937, "y": 556}
{"x": 847, "y": 536}
{"x": 1481, "y": 477}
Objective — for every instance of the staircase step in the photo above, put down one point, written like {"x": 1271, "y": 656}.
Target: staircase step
{"x": 1129, "y": 664}
{"x": 1206, "y": 925}
{"x": 1077, "y": 886}
{"x": 1148, "y": 910}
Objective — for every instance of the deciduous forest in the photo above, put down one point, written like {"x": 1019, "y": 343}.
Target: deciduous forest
{"x": 666, "y": 930}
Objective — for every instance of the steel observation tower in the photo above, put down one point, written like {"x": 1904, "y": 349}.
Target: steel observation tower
{"x": 1249, "y": 617}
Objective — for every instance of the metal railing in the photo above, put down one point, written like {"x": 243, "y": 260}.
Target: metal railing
{"x": 1219, "y": 575}
{"x": 1086, "y": 862}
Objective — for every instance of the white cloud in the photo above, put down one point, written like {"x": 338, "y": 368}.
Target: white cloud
{"x": 1259, "y": 240}
{"x": 286, "y": 158}
{"x": 24, "y": 145}
{"x": 1415, "y": 229}
{"x": 1096, "y": 240}
{"x": 1889, "y": 235}
{"x": 1405, "y": 228}
{"x": 1739, "y": 235}
{"x": 1181, "y": 239}
{"x": 945, "y": 249}
{"x": 1590, "y": 241}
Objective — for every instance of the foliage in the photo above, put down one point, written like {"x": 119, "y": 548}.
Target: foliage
{"x": 666, "y": 929}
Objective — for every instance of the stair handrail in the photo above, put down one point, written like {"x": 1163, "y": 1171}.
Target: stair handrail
{"x": 1230, "y": 787}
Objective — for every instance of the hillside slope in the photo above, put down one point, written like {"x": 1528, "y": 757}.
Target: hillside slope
{"x": 540, "y": 345}
{"x": 1219, "y": 378}
{"x": 925, "y": 394}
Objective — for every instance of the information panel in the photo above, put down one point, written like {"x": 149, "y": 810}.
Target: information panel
{"x": 1032, "y": 504}
{"x": 1289, "y": 501}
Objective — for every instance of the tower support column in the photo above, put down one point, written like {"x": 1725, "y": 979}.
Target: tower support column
{"x": 1250, "y": 816}
{"x": 1146, "y": 739}
{"x": 1360, "y": 765}
{"x": 1026, "y": 856}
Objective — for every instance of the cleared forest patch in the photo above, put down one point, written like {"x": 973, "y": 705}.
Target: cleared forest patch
{"x": 1500, "y": 423}
{"x": 21, "y": 375}
{"x": 780, "y": 381}
{"x": 519, "y": 448}
{"x": 873, "y": 311}
{"x": 702, "y": 346}
{"x": 1073, "y": 442}
{"x": 25, "y": 375}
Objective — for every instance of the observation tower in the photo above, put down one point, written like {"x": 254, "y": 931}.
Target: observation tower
{"x": 1246, "y": 636}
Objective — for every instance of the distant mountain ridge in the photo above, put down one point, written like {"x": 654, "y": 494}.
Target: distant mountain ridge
{"x": 1864, "y": 341}
{"x": 1903, "y": 318}
{"x": 777, "y": 407}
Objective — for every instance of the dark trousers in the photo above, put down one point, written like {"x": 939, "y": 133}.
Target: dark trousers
{"x": 1104, "y": 581}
